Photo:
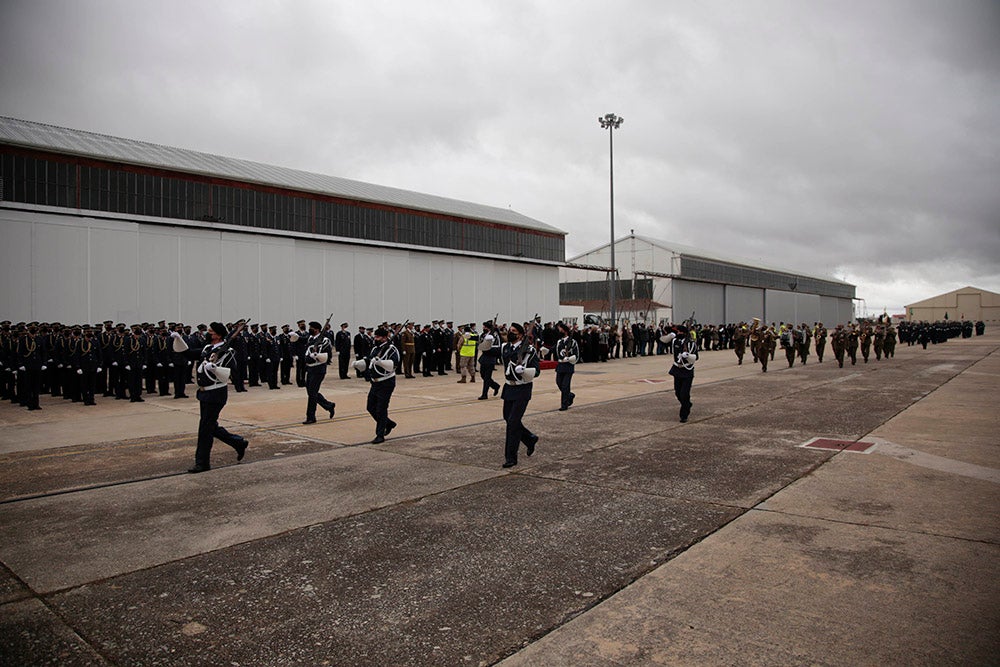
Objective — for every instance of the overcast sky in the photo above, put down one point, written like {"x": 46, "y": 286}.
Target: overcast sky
{"x": 858, "y": 139}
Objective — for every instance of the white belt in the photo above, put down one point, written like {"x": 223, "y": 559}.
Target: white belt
{"x": 383, "y": 378}
{"x": 217, "y": 385}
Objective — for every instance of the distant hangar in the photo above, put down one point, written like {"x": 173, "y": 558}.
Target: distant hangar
{"x": 663, "y": 281}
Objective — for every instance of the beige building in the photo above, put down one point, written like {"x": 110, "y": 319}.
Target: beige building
{"x": 967, "y": 303}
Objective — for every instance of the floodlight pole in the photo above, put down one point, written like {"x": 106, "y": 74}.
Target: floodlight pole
{"x": 611, "y": 122}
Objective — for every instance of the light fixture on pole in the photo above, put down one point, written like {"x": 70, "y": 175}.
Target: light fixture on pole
{"x": 611, "y": 122}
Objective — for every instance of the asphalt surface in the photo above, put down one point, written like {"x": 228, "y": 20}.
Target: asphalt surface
{"x": 627, "y": 539}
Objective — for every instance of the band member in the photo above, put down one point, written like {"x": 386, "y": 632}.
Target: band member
{"x": 788, "y": 343}
{"x": 489, "y": 357}
{"x": 567, "y": 353}
{"x": 819, "y": 336}
{"x": 521, "y": 366}
{"x": 740, "y": 341}
{"x": 216, "y": 364}
{"x": 802, "y": 339}
{"x": 317, "y": 356}
{"x": 379, "y": 368}
{"x": 685, "y": 352}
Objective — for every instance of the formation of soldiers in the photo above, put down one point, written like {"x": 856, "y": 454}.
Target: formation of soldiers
{"x": 81, "y": 362}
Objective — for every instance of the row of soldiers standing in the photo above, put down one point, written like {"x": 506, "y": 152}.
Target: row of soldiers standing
{"x": 796, "y": 341}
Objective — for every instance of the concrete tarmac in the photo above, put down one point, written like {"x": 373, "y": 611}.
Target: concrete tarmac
{"x": 627, "y": 539}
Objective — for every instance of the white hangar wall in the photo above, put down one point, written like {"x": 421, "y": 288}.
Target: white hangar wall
{"x": 84, "y": 269}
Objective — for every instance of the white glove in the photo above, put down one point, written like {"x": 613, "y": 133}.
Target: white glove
{"x": 21, "y": 368}
{"x": 128, "y": 368}
{"x": 114, "y": 363}
{"x": 79, "y": 371}
{"x": 171, "y": 364}
{"x": 684, "y": 356}
{"x": 387, "y": 364}
{"x": 45, "y": 368}
{"x": 144, "y": 367}
{"x": 98, "y": 369}
{"x": 668, "y": 337}
{"x": 361, "y": 365}
{"x": 59, "y": 366}
{"x": 208, "y": 366}
{"x": 519, "y": 369}
{"x": 529, "y": 374}
{"x": 268, "y": 360}
{"x": 158, "y": 365}
{"x": 571, "y": 359}
{"x": 544, "y": 351}
{"x": 174, "y": 334}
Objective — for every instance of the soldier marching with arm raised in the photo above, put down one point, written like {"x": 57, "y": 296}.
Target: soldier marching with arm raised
{"x": 684, "y": 352}
{"x": 489, "y": 357}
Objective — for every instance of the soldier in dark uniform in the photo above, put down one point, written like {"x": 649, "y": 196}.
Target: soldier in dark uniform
{"x": 489, "y": 357}
{"x": 87, "y": 362}
{"x": 7, "y": 384}
{"x": 30, "y": 364}
{"x": 819, "y": 337}
{"x": 889, "y": 344}
{"x": 802, "y": 340}
{"x": 285, "y": 352}
{"x": 271, "y": 353}
{"x": 252, "y": 339}
{"x": 162, "y": 359}
{"x": 448, "y": 334}
{"x": 379, "y": 368}
{"x": 425, "y": 350}
{"x": 878, "y": 342}
{"x": 739, "y": 339}
{"x": 684, "y": 352}
{"x": 215, "y": 365}
{"x": 838, "y": 342}
{"x": 342, "y": 343}
{"x": 788, "y": 343}
{"x": 178, "y": 366}
{"x": 298, "y": 339}
{"x": 865, "y": 339}
{"x": 362, "y": 346}
{"x": 567, "y": 353}
{"x": 134, "y": 355}
{"x": 521, "y": 367}
{"x": 317, "y": 357}
{"x": 241, "y": 356}
{"x": 852, "y": 344}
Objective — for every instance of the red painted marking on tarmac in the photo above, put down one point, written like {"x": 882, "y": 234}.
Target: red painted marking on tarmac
{"x": 859, "y": 447}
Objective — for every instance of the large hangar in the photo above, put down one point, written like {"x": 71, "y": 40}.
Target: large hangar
{"x": 661, "y": 281}
{"x": 98, "y": 227}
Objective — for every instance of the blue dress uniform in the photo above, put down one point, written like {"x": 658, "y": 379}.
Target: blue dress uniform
{"x": 213, "y": 393}
{"x": 342, "y": 343}
{"x": 567, "y": 353}
{"x": 134, "y": 351}
{"x": 317, "y": 344}
{"x": 86, "y": 362}
{"x": 30, "y": 362}
{"x": 684, "y": 352}
{"x": 521, "y": 366}
{"x": 379, "y": 368}
{"x": 299, "y": 351}
{"x": 285, "y": 353}
{"x": 489, "y": 357}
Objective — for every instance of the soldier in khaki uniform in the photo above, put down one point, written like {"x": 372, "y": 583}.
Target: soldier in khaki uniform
{"x": 819, "y": 338}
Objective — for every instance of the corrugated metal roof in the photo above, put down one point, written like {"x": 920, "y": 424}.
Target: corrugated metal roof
{"x": 100, "y": 146}
{"x": 699, "y": 253}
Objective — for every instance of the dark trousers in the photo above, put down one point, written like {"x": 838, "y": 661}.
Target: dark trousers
{"x": 314, "y": 378}
{"x": 135, "y": 382}
{"x": 286, "y": 370}
{"x": 517, "y": 432}
{"x": 563, "y": 381}
{"x": 682, "y": 389}
{"x": 343, "y": 364}
{"x": 486, "y": 373}
{"x": 253, "y": 371}
{"x": 378, "y": 404}
{"x": 181, "y": 375}
{"x": 208, "y": 426}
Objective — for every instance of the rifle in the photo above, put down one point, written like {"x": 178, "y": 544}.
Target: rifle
{"x": 327, "y": 324}
{"x": 222, "y": 349}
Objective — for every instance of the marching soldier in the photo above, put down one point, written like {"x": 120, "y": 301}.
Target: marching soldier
{"x": 684, "y": 352}
{"x": 765, "y": 346}
{"x": 889, "y": 344}
{"x": 802, "y": 341}
{"x": 317, "y": 356}
{"x": 521, "y": 366}
{"x": 852, "y": 344}
{"x": 865, "y": 338}
{"x": 878, "y": 341}
{"x": 567, "y": 353}
{"x": 838, "y": 342}
{"x": 819, "y": 337}
{"x": 788, "y": 343}
{"x": 216, "y": 362}
{"x": 740, "y": 341}
{"x": 489, "y": 357}
{"x": 379, "y": 368}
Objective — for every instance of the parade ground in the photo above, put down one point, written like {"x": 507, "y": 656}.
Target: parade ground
{"x": 814, "y": 515}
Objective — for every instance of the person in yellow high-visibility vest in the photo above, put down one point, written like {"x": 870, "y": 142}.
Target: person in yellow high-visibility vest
{"x": 467, "y": 354}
